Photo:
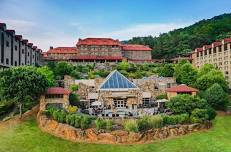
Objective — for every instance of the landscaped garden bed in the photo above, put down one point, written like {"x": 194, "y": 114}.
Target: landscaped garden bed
{"x": 84, "y": 128}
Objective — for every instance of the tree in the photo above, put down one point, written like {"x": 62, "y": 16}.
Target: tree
{"x": 166, "y": 70}
{"x": 75, "y": 74}
{"x": 49, "y": 75}
{"x": 207, "y": 80}
{"x": 185, "y": 73}
{"x": 185, "y": 103}
{"x": 74, "y": 99}
{"x": 206, "y": 68}
{"x": 74, "y": 87}
{"x": 124, "y": 65}
{"x": 62, "y": 69}
{"x": 216, "y": 97}
{"x": 21, "y": 83}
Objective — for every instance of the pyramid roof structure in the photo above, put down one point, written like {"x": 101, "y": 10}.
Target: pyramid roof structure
{"x": 115, "y": 81}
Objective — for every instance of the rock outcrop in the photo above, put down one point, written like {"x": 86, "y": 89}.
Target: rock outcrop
{"x": 115, "y": 137}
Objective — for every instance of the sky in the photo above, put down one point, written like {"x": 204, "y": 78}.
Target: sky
{"x": 62, "y": 22}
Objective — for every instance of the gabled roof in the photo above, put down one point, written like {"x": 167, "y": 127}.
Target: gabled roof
{"x": 115, "y": 81}
{"x": 181, "y": 88}
{"x": 63, "y": 50}
{"x": 135, "y": 47}
{"x": 98, "y": 41}
{"x": 57, "y": 90}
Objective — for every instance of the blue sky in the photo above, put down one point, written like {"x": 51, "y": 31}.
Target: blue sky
{"x": 61, "y": 22}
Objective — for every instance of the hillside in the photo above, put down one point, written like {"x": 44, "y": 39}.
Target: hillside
{"x": 184, "y": 40}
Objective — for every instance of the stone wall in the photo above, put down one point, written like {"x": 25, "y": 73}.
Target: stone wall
{"x": 115, "y": 137}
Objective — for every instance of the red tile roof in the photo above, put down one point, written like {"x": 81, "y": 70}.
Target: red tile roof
{"x": 2, "y": 25}
{"x": 199, "y": 49}
{"x": 135, "y": 60}
{"x": 19, "y": 37}
{"x": 10, "y": 31}
{"x": 218, "y": 43}
{"x": 227, "y": 40}
{"x": 94, "y": 57}
{"x": 98, "y": 41}
{"x": 63, "y": 50}
{"x": 30, "y": 44}
{"x": 57, "y": 90}
{"x": 44, "y": 54}
{"x": 25, "y": 41}
{"x": 181, "y": 88}
{"x": 208, "y": 46}
{"x": 135, "y": 47}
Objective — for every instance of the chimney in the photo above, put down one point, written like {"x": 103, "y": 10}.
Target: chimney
{"x": 51, "y": 48}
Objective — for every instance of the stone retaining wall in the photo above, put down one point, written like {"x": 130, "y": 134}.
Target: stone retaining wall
{"x": 115, "y": 137}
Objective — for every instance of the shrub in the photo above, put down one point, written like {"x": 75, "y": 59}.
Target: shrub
{"x": 77, "y": 120}
{"x": 216, "y": 97}
{"x": 212, "y": 113}
{"x": 61, "y": 116}
{"x": 175, "y": 119}
{"x": 72, "y": 122}
{"x": 156, "y": 122}
{"x": 100, "y": 123}
{"x": 72, "y": 109}
{"x": 74, "y": 87}
{"x": 109, "y": 125}
{"x": 6, "y": 106}
{"x": 185, "y": 103}
{"x": 85, "y": 122}
{"x": 199, "y": 115}
{"x": 74, "y": 99}
{"x": 130, "y": 126}
{"x": 55, "y": 114}
{"x": 143, "y": 123}
{"x": 68, "y": 119}
{"x": 162, "y": 96}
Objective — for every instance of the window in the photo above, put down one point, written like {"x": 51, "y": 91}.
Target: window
{"x": 226, "y": 47}
{"x": 15, "y": 63}
{"x": 205, "y": 52}
{"x": 51, "y": 96}
{"x": 7, "y": 43}
{"x": 7, "y": 61}
{"x": 219, "y": 48}
{"x": 210, "y": 51}
{"x": 22, "y": 51}
{"x": 120, "y": 103}
{"x": 214, "y": 50}
{"x": 15, "y": 47}
{"x": 146, "y": 101}
{"x": 28, "y": 54}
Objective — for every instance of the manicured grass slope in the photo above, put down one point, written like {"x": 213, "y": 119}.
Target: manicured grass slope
{"x": 27, "y": 137}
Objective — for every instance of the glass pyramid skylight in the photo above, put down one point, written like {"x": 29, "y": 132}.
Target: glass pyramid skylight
{"x": 116, "y": 80}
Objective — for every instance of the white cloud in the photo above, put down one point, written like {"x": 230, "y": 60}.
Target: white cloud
{"x": 153, "y": 29}
{"x": 44, "y": 37}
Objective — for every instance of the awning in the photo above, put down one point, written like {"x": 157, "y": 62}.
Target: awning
{"x": 162, "y": 100}
{"x": 96, "y": 103}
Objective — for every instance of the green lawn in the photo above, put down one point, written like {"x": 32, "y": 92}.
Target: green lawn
{"x": 27, "y": 137}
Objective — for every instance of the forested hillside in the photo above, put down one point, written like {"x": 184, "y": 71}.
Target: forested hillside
{"x": 184, "y": 40}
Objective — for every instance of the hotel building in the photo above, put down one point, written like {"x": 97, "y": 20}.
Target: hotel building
{"x": 218, "y": 53}
{"x": 99, "y": 50}
{"x": 16, "y": 51}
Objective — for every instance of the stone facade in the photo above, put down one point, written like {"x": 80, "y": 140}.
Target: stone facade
{"x": 91, "y": 135}
{"x": 99, "y": 50}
